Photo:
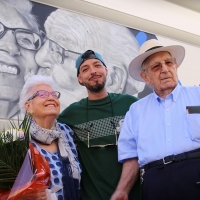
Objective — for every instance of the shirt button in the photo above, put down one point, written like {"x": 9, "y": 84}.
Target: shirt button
{"x": 167, "y": 110}
{"x": 168, "y": 124}
{"x": 168, "y": 140}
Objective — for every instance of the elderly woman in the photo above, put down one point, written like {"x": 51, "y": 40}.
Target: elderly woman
{"x": 53, "y": 140}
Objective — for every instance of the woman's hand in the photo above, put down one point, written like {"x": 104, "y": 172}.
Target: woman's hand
{"x": 34, "y": 194}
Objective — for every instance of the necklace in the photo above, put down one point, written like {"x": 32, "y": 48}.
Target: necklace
{"x": 88, "y": 129}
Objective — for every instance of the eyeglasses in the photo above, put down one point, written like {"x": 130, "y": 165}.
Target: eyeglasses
{"x": 60, "y": 53}
{"x": 103, "y": 145}
{"x": 25, "y": 38}
{"x": 157, "y": 66}
{"x": 45, "y": 94}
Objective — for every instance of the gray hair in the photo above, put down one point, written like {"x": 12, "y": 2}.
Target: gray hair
{"x": 31, "y": 83}
{"x": 24, "y": 7}
{"x": 143, "y": 67}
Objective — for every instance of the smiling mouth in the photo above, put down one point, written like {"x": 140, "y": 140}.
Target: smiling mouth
{"x": 51, "y": 105}
{"x": 9, "y": 69}
{"x": 95, "y": 77}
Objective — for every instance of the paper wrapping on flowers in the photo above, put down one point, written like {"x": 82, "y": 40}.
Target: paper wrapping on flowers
{"x": 34, "y": 174}
{"x": 4, "y": 194}
{"x": 22, "y": 167}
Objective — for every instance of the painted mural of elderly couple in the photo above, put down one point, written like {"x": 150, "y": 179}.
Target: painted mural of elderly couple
{"x": 25, "y": 51}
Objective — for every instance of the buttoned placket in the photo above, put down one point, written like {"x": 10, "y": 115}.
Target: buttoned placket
{"x": 166, "y": 105}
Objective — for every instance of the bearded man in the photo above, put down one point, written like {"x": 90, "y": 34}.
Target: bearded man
{"x": 96, "y": 122}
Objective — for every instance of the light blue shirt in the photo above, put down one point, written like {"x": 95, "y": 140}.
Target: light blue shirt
{"x": 154, "y": 127}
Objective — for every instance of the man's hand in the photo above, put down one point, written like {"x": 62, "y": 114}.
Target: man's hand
{"x": 119, "y": 195}
{"x": 128, "y": 177}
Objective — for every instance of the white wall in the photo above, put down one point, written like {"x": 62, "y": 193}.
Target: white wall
{"x": 158, "y": 11}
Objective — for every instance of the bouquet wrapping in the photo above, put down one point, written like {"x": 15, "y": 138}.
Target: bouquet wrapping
{"x": 34, "y": 174}
{"x": 22, "y": 167}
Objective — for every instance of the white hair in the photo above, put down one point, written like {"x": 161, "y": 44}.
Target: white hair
{"x": 24, "y": 7}
{"x": 31, "y": 83}
{"x": 107, "y": 38}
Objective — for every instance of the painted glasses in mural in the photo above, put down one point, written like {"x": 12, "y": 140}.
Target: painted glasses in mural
{"x": 25, "y": 38}
{"x": 59, "y": 52}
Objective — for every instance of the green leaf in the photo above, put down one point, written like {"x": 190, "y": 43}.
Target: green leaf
{"x": 12, "y": 153}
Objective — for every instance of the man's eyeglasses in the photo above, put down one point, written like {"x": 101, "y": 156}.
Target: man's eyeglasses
{"x": 45, "y": 94}
{"x": 60, "y": 53}
{"x": 102, "y": 145}
{"x": 25, "y": 38}
{"x": 157, "y": 66}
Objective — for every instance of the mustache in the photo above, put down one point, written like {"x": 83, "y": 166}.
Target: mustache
{"x": 95, "y": 75}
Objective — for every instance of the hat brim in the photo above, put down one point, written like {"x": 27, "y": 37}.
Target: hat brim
{"x": 135, "y": 69}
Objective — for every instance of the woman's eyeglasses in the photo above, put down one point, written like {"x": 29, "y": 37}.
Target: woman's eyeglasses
{"x": 45, "y": 94}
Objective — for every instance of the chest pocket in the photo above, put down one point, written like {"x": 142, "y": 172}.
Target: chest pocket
{"x": 193, "y": 121}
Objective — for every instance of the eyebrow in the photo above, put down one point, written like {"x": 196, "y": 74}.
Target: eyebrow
{"x": 161, "y": 60}
{"x": 95, "y": 62}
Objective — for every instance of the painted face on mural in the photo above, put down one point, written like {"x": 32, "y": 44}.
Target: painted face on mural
{"x": 15, "y": 61}
{"x": 67, "y": 31}
{"x": 57, "y": 58}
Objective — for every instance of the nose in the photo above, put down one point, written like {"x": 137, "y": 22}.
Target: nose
{"x": 93, "y": 70}
{"x": 9, "y": 44}
{"x": 164, "y": 67}
{"x": 51, "y": 98}
{"x": 44, "y": 57}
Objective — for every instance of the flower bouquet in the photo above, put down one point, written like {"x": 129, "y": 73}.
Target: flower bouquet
{"x": 22, "y": 167}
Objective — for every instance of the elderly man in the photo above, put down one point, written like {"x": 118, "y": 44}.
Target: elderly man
{"x": 97, "y": 121}
{"x": 162, "y": 130}
{"x": 19, "y": 40}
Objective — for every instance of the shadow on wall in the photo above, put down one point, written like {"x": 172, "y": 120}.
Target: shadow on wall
{"x": 147, "y": 90}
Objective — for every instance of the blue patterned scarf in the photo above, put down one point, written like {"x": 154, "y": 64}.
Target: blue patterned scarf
{"x": 71, "y": 176}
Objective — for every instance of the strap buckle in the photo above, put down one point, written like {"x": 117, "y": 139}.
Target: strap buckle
{"x": 165, "y": 163}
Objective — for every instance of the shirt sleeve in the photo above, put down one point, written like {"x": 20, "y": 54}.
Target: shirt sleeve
{"x": 127, "y": 147}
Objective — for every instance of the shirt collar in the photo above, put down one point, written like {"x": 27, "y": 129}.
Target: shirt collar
{"x": 173, "y": 95}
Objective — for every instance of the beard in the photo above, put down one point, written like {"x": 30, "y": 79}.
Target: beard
{"x": 97, "y": 87}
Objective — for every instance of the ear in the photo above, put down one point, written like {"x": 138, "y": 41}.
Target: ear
{"x": 116, "y": 78}
{"x": 80, "y": 80}
{"x": 145, "y": 77}
{"x": 28, "y": 106}
{"x": 106, "y": 71}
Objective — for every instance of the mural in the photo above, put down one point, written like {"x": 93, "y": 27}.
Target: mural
{"x": 39, "y": 39}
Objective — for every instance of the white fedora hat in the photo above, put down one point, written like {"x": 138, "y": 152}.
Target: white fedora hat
{"x": 150, "y": 47}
